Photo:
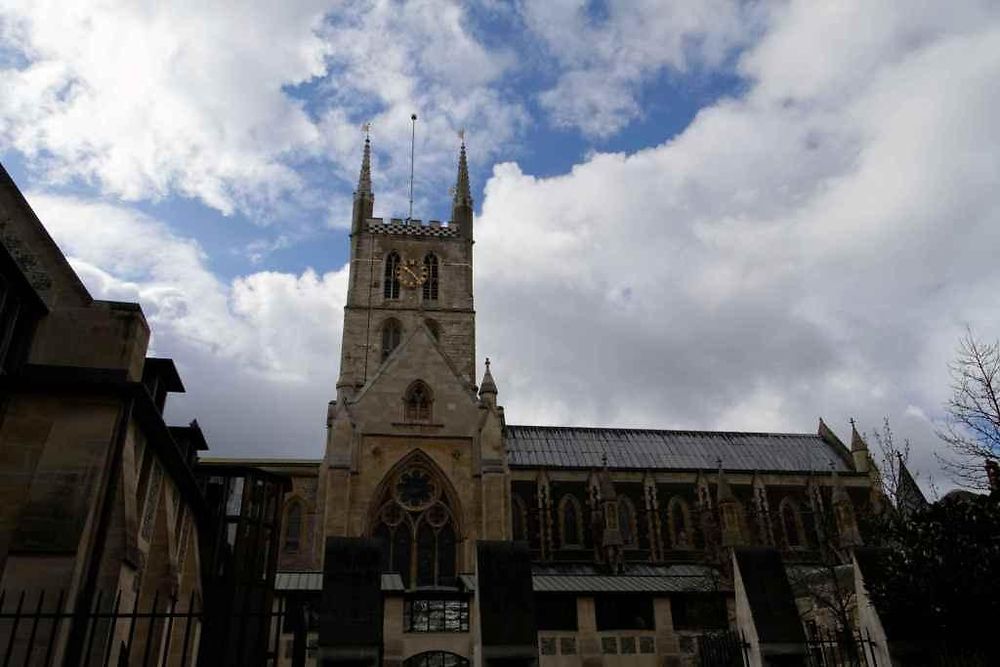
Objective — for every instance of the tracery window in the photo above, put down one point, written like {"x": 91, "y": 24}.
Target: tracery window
{"x": 570, "y": 523}
{"x": 431, "y": 283}
{"x": 436, "y": 659}
{"x": 626, "y": 521}
{"x": 417, "y": 402}
{"x": 791, "y": 523}
{"x": 417, "y": 529}
{"x": 519, "y": 518}
{"x": 392, "y": 333}
{"x": 390, "y": 283}
{"x": 679, "y": 520}
{"x": 439, "y": 615}
{"x": 293, "y": 526}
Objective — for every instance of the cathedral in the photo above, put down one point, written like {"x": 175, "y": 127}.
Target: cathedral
{"x": 465, "y": 539}
{"x": 429, "y": 533}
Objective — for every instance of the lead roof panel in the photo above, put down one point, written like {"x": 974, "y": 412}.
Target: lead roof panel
{"x": 572, "y": 447}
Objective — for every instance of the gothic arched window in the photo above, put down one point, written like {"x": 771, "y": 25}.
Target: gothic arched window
{"x": 518, "y": 519}
{"x": 417, "y": 403}
{"x": 392, "y": 333}
{"x": 416, "y": 528}
{"x": 390, "y": 283}
{"x": 679, "y": 520}
{"x": 570, "y": 522}
{"x": 431, "y": 283}
{"x": 293, "y": 525}
{"x": 791, "y": 523}
{"x": 626, "y": 521}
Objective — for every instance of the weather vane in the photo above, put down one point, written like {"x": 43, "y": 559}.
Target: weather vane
{"x": 366, "y": 127}
{"x": 461, "y": 134}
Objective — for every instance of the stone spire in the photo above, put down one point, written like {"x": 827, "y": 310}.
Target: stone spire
{"x": 365, "y": 177}
{"x": 859, "y": 450}
{"x": 461, "y": 203}
{"x": 364, "y": 197}
{"x": 488, "y": 388}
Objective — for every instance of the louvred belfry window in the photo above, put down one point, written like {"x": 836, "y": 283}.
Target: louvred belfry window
{"x": 431, "y": 284}
{"x": 390, "y": 287}
{"x": 416, "y": 527}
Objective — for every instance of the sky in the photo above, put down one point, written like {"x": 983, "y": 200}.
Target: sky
{"x": 696, "y": 214}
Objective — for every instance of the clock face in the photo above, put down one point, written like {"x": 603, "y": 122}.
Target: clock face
{"x": 411, "y": 273}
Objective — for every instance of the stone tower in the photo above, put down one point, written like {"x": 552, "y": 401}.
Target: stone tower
{"x": 414, "y": 456}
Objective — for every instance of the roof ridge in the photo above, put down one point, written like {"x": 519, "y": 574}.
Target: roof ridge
{"x": 790, "y": 434}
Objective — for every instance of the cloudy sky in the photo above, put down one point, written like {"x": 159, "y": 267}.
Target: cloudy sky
{"x": 690, "y": 214}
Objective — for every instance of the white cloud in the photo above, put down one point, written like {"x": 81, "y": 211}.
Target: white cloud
{"x": 606, "y": 59}
{"x": 812, "y": 248}
{"x": 193, "y": 99}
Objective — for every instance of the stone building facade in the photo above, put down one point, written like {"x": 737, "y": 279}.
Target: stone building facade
{"x": 628, "y": 531}
{"x": 98, "y": 498}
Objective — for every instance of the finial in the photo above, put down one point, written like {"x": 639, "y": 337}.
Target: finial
{"x": 487, "y": 363}
{"x": 366, "y": 127}
{"x": 461, "y": 135}
{"x": 852, "y": 422}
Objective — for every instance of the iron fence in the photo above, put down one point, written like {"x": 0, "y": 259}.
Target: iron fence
{"x": 125, "y": 629}
{"x": 833, "y": 648}
{"x": 725, "y": 648}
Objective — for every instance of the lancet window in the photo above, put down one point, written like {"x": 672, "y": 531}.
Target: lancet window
{"x": 519, "y": 518}
{"x": 293, "y": 526}
{"x": 431, "y": 283}
{"x": 390, "y": 283}
{"x": 627, "y": 522}
{"x": 392, "y": 333}
{"x": 417, "y": 529}
{"x": 791, "y": 523}
{"x": 570, "y": 522}
{"x": 679, "y": 519}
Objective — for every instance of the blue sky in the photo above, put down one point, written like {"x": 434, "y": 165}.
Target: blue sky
{"x": 715, "y": 214}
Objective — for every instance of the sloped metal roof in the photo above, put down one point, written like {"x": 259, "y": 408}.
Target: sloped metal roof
{"x": 636, "y": 579}
{"x": 572, "y": 447}
{"x": 298, "y": 581}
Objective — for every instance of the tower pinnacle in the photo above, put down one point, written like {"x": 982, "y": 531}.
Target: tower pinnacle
{"x": 365, "y": 178}
{"x": 463, "y": 196}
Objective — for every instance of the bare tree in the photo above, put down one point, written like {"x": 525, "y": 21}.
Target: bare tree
{"x": 972, "y": 429}
{"x": 892, "y": 457}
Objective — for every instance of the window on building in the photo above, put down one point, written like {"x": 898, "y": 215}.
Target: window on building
{"x": 519, "y": 518}
{"x": 417, "y": 530}
{"x": 679, "y": 518}
{"x": 436, "y": 659}
{"x": 390, "y": 284}
{"x": 570, "y": 524}
{"x": 417, "y": 402}
{"x": 627, "y": 522}
{"x": 791, "y": 523}
{"x": 556, "y": 612}
{"x": 431, "y": 283}
{"x": 435, "y": 615}
{"x": 293, "y": 526}
{"x": 624, "y": 611}
{"x": 392, "y": 334}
